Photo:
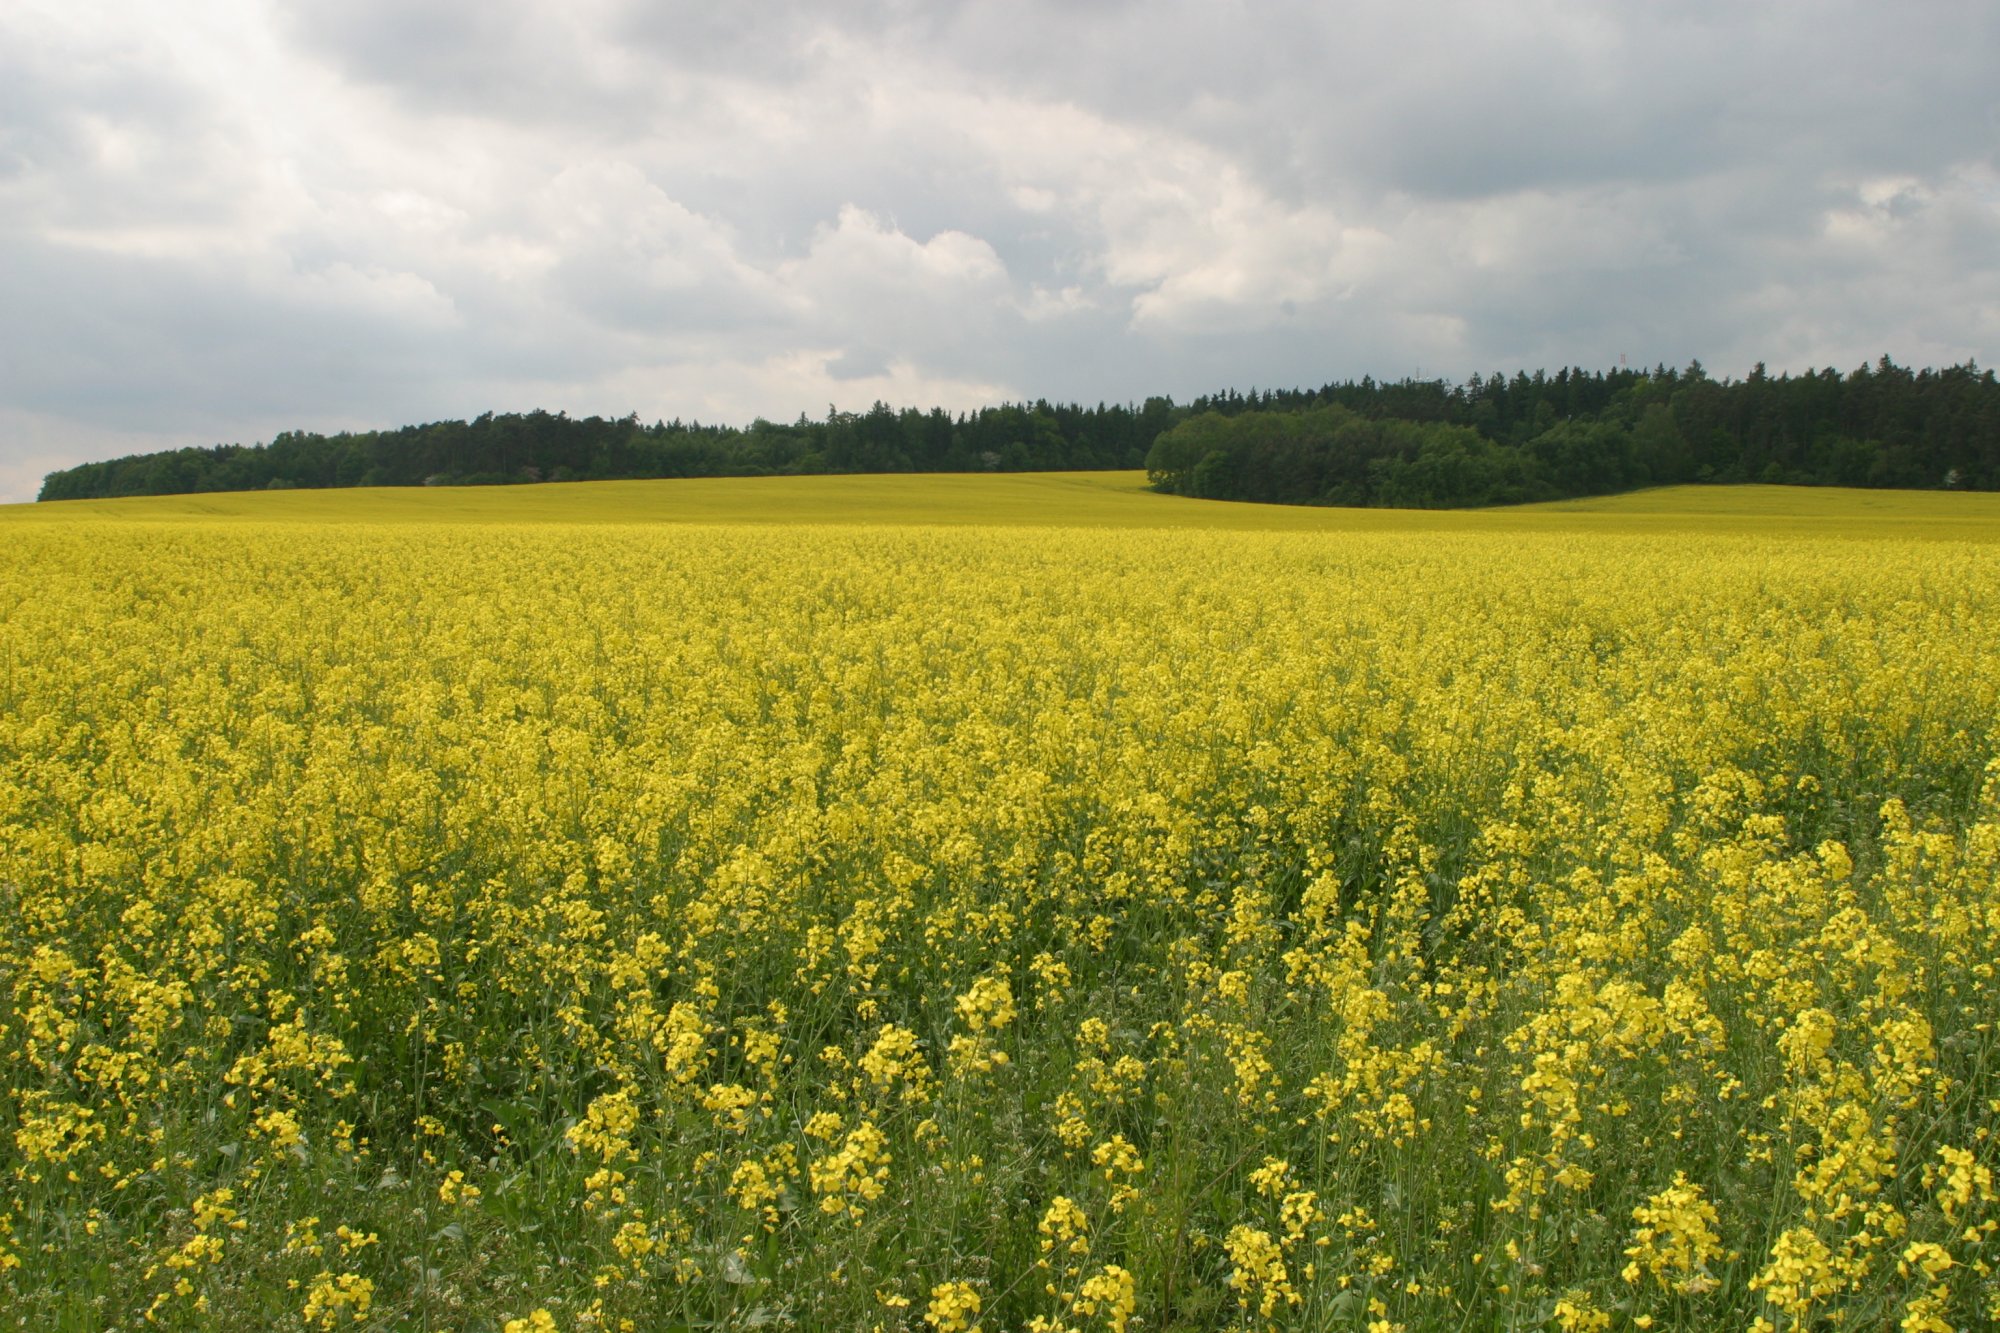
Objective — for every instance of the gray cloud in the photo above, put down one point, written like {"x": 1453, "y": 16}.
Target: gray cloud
{"x": 224, "y": 221}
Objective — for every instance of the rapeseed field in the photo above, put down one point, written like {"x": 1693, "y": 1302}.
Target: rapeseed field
{"x": 1004, "y": 903}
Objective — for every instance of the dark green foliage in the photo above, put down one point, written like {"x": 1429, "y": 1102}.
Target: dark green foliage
{"x": 1417, "y": 443}
{"x": 543, "y": 446}
{"x": 1431, "y": 445}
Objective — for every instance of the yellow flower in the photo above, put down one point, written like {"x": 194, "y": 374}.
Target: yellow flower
{"x": 1109, "y": 1292}
{"x": 536, "y": 1321}
{"x": 1676, "y": 1238}
{"x": 954, "y": 1306}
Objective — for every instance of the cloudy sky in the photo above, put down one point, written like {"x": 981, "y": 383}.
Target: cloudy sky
{"x": 224, "y": 218}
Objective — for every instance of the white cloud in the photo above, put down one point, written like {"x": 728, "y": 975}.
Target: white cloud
{"x": 233, "y": 213}
{"x": 781, "y": 387}
{"x": 861, "y": 256}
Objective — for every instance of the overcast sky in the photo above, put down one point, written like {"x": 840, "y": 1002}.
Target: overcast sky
{"x": 224, "y": 218}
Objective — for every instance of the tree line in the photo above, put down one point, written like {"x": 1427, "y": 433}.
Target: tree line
{"x": 544, "y": 446}
{"x": 1429, "y": 444}
{"x": 1417, "y": 443}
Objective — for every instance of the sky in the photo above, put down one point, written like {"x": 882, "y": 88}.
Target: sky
{"x": 220, "y": 219}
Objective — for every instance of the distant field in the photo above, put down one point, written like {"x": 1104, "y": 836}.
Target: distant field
{"x": 1012, "y": 902}
{"x": 1058, "y": 499}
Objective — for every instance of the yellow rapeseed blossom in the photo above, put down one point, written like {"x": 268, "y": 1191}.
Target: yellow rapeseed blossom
{"x": 1110, "y": 1295}
{"x": 1675, "y": 1240}
{"x": 336, "y": 1298}
{"x": 954, "y": 1307}
{"x": 1258, "y": 1272}
{"x": 854, "y": 1174}
{"x": 536, "y": 1321}
{"x": 690, "y": 903}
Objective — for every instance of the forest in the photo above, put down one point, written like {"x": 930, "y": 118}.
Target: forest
{"x": 1408, "y": 443}
{"x": 1419, "y": 444}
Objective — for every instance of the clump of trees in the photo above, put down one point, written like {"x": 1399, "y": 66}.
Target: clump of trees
{"x": 1411, "y": 443}
{"x": 1333, "y": 455}
{"x": 1428, "y": 444}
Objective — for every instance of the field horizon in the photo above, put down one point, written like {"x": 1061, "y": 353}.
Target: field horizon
{"x": 1051, "y": 499}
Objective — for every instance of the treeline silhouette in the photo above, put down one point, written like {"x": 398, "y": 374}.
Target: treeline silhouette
{"x": 1429, "y": 444}
{"x": 1421, "y": 443}
{"x": 543, "y": 446}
